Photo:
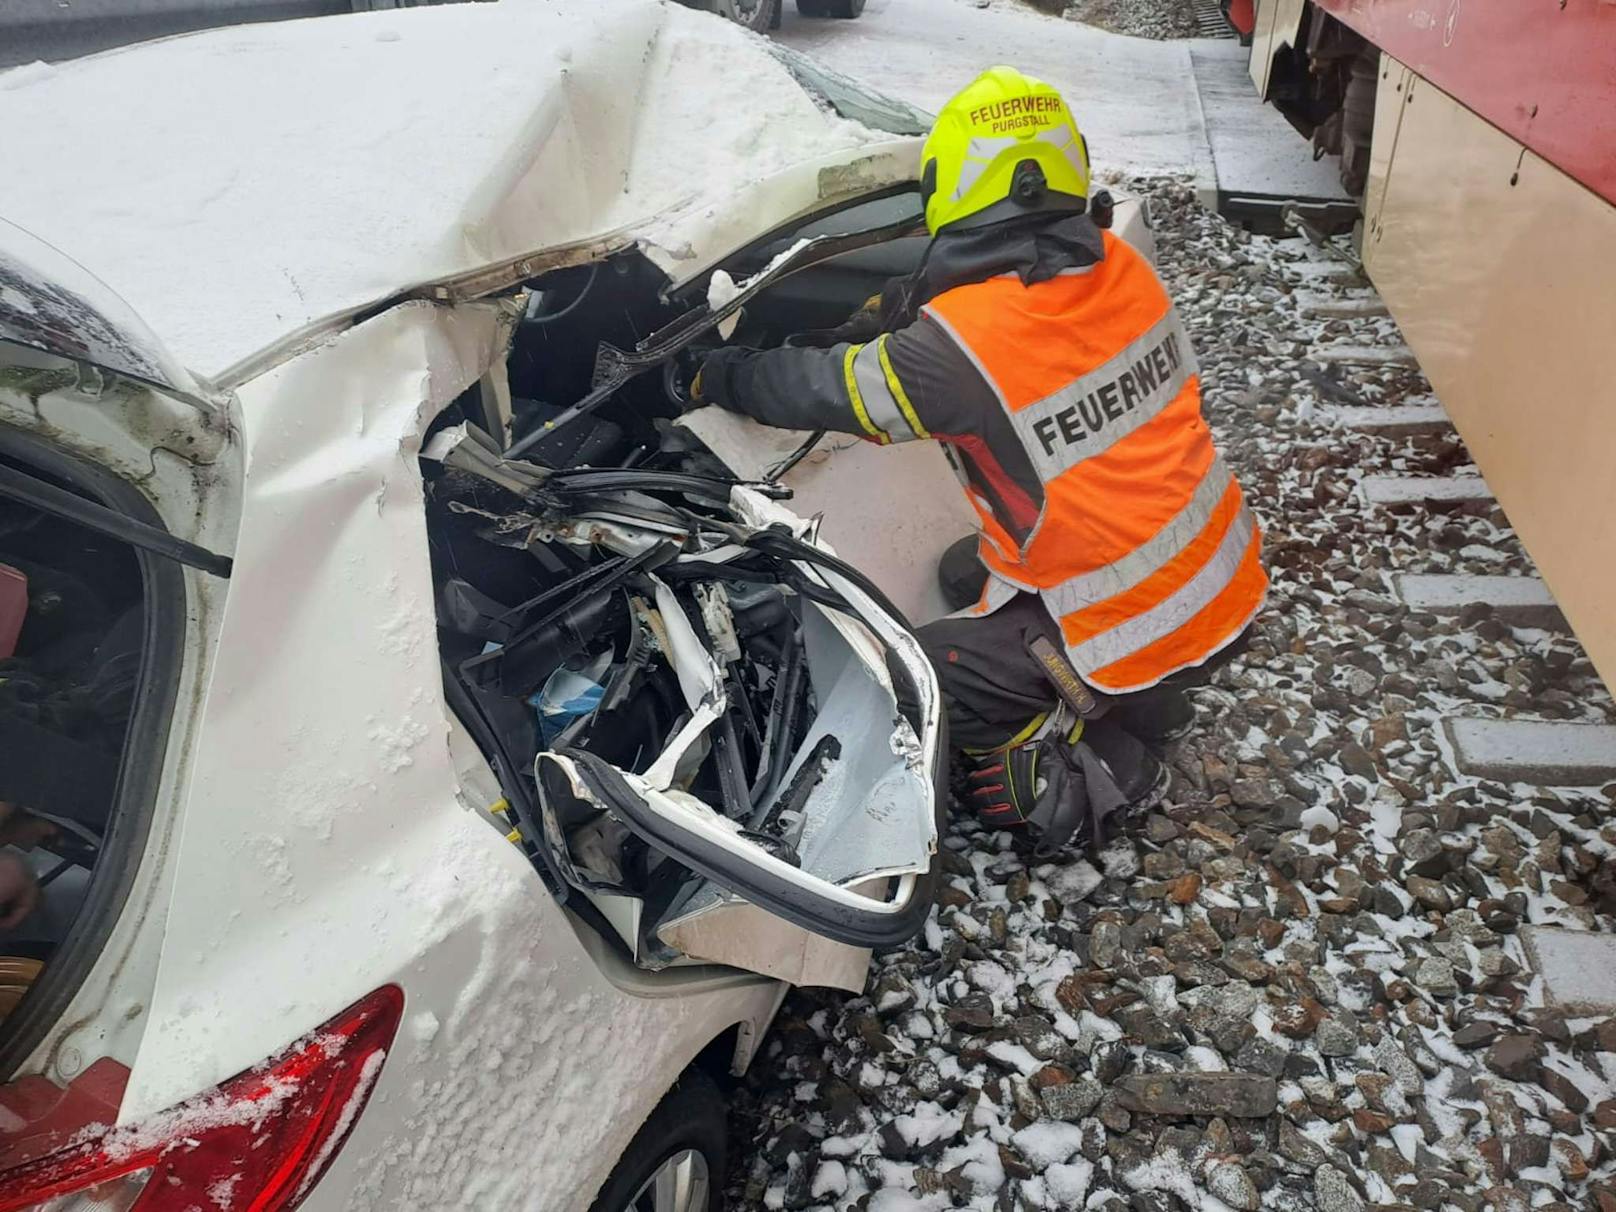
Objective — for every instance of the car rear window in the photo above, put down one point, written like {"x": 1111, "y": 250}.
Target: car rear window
{"x": 851, "y": 99}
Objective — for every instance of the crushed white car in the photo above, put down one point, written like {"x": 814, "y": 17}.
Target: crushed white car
{"x": 488, "y": 753}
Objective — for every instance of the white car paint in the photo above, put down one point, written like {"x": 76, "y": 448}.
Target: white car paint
{"x": 348, "y": 823}
{"x": 321, "y": 829}
{"x": 330, "y": 839}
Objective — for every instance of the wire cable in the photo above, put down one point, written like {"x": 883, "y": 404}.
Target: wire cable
{"x": 779, "y": 470}
{"x": 552, "y": 316}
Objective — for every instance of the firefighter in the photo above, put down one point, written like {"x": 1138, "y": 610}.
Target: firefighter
{"x": 1122, "y": 562}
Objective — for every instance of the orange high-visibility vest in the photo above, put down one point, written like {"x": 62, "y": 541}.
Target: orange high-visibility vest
{"x": 1144, "y": 550}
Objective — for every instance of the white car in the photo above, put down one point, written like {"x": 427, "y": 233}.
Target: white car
{"x": 451, "y": 763}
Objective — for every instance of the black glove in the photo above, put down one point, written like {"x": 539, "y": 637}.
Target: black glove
{"x": 863, "y": 326}
{"x": 1048, "y": 791}
{"x": 712, "y": 382}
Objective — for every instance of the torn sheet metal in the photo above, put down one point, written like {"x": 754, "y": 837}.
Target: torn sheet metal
{"x": 712, "y": 845}
{"x": 467, "y": 448}
{"x": 820, "y": 808}
{"x": 723, "y": 929}
{"x": 850, "y": 485}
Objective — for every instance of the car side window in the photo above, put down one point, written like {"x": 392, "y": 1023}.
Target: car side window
{"x": 72, "y": 639}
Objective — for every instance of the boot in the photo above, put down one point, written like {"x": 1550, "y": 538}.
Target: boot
{"x": 1158, "y": 716}
{"x": 1140, "y": 776}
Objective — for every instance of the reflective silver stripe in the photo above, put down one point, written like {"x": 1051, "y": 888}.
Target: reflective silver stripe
{"x": 1091, "y": 413}
{"x": 979, "y": 154}
{"x": 999, "y": 592}
{"x": 1005, "y": 577}
{"x": 1150, "y": 556}
{"x": 878, "y": 398}
{"x": 1061, "y": 137}
{"x": 1178, "y": 608}
{"x": 984, "y": 149}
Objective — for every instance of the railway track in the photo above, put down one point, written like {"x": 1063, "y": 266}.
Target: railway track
{"x": 1209, "y": 20}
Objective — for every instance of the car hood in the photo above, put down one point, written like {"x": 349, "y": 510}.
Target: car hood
{"x": 243, "y": 188}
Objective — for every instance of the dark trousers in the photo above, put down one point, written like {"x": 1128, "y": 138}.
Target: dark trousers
{"x": 993, "y": 688}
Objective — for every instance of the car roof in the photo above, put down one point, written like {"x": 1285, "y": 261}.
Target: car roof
{"x": 239, "y": 186}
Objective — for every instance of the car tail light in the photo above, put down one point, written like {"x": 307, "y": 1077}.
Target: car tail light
{"x": 257, "y": 1143}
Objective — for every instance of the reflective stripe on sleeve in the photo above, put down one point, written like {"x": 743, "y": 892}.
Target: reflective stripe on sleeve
{"x": 1150, "y": 556}
{"x": 880, "y": 404}
{"x": 898, "y": 393}
{"x": 855, "y": 396}
{"x": 1095, "y": 411}
{"x": 1173, "y": 611}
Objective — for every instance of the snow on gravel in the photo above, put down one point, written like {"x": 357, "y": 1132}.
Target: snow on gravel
{"x": 1141, "y": 18}
{"x": 1297, "y": 985}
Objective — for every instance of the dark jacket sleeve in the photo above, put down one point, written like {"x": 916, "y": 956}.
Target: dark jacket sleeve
{"x": 912, "y": 383}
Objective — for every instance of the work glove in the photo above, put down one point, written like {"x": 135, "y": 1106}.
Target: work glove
{"x": 1050, "y": 790}
{"x": 712, "y": 382}
{"x": 892, "y": 309}
{"x": 863, "y": 326}
{"x": 888, "y": 311}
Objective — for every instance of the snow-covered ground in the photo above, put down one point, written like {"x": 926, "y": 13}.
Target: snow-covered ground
{"x": 1134, "y": 98}
{"x": 1299, "y": 984}
{"x": 1145, "y": 106}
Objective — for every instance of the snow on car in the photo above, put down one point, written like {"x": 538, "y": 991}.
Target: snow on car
{"x": 462, "y": 757}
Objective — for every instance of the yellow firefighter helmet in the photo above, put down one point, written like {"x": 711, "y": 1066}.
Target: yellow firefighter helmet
{"x": 1004, "y": 138}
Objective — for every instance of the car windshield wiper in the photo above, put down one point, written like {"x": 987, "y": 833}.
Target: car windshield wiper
{"x": 19, "y": 486}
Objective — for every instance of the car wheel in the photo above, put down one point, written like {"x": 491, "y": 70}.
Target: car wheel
{"x": 830, "y": 8}
{"x": 675, "y": 1163}
{"x": 759, "y": 15}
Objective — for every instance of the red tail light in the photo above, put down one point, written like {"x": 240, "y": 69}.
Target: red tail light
{"x": 257, "y": 1143}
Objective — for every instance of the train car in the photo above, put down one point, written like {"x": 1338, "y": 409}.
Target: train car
{"x": 1479, "y": 138}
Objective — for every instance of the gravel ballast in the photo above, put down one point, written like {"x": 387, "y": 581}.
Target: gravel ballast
{"x": 1160, "y": 19}
{"x": 1157, "y": 19}
{"x": 1297, "y": 984}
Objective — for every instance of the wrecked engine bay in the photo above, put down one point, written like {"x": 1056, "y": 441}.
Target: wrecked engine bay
{"x": 720, "y": 742}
